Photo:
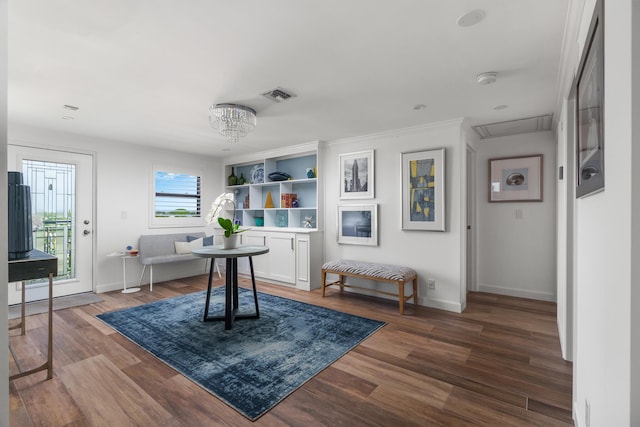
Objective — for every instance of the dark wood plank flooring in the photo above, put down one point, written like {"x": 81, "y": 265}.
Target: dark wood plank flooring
{"x": 498, "y": 363}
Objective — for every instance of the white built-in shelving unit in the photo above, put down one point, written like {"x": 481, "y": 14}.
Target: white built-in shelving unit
{"x": 293, "y": 234}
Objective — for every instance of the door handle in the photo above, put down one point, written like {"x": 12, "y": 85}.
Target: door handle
{"x": 292, "y": 243}
{"x": 85, "y": 232}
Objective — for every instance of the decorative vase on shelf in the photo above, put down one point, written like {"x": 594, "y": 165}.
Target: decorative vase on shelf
{"x": 268, "y": 204}
{"x": 257, "y": 174}
{"x": 233, "y": 179}
{"x": 241, "y": 180}
{"x": 230, "y": 242}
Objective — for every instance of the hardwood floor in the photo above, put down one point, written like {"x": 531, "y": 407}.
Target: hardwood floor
{"x": 498, "y": 363}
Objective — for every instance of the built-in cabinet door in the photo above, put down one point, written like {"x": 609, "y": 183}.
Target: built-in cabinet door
{"x": 282, "y": 259}
{"x": 303, "y": 248}
{"x": 260, "y": 262}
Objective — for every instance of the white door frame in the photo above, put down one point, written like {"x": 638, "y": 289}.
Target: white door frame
{"x": 471, "y": 277}
{"x": 18, "y": 152}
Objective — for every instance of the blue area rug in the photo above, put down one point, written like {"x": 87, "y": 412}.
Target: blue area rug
{"x": 256, "y": 364}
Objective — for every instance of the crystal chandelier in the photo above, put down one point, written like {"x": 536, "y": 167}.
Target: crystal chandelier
{"x": 231, "y": 120}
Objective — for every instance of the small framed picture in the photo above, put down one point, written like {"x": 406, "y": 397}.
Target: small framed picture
{"x": 516, "y": 179}
{"x": 358, "y": 224}
{"x": 423, "y": 190}
{"x": 589, "y": 119}
{"x": 356, "y": 175}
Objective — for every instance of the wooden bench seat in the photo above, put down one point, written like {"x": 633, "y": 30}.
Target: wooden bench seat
{"x": 372, "y": 271}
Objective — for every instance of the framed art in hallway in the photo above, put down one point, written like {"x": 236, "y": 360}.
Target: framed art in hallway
{"x": 356, "y": 175}
{"x": 423, "y": 190}
{"x": 358, "y": 224}
{"x": 589, "y": 110}
{"x": 516, "y": 179}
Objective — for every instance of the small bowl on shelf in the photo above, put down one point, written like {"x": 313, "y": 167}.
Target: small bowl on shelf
{"x": 132, "y": 253}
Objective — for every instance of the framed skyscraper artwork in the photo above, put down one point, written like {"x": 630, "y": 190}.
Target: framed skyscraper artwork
{"x": 356, "y": 175}
{"x": 423, "y": 190}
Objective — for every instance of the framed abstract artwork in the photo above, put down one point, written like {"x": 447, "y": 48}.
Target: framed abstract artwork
{"x": 516, "y": 179}
{"x": 423, "y": 190}
{"x": 356, "y": 175}
{"x": 589, "y": 116}
{"x": 358, "y": 224}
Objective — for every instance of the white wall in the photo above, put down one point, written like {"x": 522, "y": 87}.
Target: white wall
{"x": 436, "y": 255}
{"x": 123, "y": 184}
{"x": 4, "y": 336}
{"x": 517, "y": 256}
{"x": 604, "y": 250}
{"x": 635, "y": 215}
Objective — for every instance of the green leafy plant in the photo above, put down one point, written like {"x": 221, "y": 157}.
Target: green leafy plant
{"x": 229, "y": 227}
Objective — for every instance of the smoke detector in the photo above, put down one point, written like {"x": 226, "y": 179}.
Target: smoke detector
{"x": 487, "y": 78}
{"x": 278, "y": 95}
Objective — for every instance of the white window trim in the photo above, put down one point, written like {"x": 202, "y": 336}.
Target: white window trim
{"x": 174, "y": 222}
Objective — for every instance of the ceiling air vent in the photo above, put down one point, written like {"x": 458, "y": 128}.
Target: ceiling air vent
{"x": 278, "y": 95}
{"x": 515, "y": 127}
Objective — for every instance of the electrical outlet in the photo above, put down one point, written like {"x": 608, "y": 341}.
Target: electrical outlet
{"x": 431, "y": 284}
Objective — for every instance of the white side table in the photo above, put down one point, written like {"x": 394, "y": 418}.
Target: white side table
{"x": 125, "y": 256}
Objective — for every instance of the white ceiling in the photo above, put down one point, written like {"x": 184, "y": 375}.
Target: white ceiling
{"x": 146, "y": 71}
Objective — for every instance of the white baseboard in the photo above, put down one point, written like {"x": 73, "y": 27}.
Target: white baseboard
{"x": 108, "y": 287}
{"x": 425, "y": 302}
{"x": 455, "y": 307}
{"x": 521, "y": 293}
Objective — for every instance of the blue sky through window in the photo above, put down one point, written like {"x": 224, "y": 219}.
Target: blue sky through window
{"x": 177, "y": 194}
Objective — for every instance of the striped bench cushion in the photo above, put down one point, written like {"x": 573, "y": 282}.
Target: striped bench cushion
{"x": 382, "y": 271}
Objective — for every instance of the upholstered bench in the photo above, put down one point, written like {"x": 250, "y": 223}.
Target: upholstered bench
{"x": 163, "y": 248}
{"x": 372, "y": 271}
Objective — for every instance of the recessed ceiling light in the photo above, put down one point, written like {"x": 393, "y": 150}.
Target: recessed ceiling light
{"x": 67, "y": 118}
{"x": 471, "y": 18}
{"x": 419, "y": 107}
{"x": 500, "y": 107}
{"x": 487, "y": 78}
{"x": 71, "y": 107}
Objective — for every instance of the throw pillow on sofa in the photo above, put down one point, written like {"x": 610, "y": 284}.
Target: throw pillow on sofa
{"x": 206, "y": 241}
{"x": 183, "y": 247}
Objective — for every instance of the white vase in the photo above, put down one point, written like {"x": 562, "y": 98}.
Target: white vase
{"x": 230, "y": 242}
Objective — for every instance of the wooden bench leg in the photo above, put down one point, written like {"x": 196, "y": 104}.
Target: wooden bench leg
{"x": 415, "y": 291}
{"x": 341, "y": 283}
{"x": 401, "y": 295}
{"x": 324, "y": 281}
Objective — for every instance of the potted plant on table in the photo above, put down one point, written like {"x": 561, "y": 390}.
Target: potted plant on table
{"x": 230, "y": 226}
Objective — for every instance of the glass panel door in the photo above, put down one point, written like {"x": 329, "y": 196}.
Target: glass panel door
{"x": 61, "y": 185}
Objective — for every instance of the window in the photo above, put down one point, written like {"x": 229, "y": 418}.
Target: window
{"x": 176, "y": 198}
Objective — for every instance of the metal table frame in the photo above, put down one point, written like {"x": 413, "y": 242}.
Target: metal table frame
{"x": 36, "y": 266}
{"x": 231, "y": 280}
